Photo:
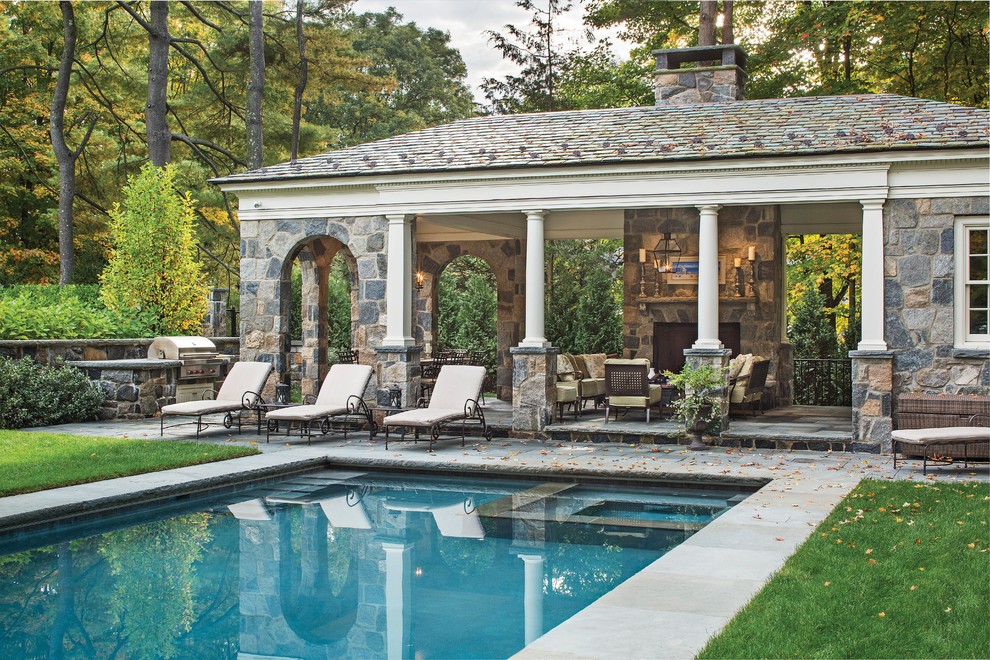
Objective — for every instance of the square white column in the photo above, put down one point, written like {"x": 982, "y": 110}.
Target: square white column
{"x": 398, "y": 284}
{"x": 872, "y": 311}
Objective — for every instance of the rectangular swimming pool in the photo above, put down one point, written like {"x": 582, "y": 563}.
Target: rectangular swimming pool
{"x": 340, "y": 564}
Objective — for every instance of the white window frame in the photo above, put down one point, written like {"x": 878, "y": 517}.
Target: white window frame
{"x": 963, "y": 338}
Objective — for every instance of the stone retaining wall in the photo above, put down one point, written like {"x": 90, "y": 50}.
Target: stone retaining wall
{"x": 47, "y": 350}
{"x": 134, "y": 389}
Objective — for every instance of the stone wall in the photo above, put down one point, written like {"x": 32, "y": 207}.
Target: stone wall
{"x": 759, "y": 314}
{"x": 508, "y": 264}
{"x": 134, "y": 389}
{"x": 918, "y": 296}
{"x": 716, "y": 84}
{"x": 268, "y": 248}
{"x": 47, "y": 350}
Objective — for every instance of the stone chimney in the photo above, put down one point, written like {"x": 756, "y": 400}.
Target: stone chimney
{"x": 721, "y": 79}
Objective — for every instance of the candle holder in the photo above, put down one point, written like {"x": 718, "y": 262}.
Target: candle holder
{"x": 395, "y": 396}
{"x": 642, "y": 279}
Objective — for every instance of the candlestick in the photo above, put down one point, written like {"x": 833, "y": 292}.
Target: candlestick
{"x": 752, "y": 253}
{"x": 737, "y": 262}
{"x": 642, "y": 255}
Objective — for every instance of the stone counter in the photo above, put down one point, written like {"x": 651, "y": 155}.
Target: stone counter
{"x": 134, "y": 389}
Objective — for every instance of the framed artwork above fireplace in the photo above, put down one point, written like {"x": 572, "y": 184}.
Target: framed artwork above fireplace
{"x": 686, "y": 270}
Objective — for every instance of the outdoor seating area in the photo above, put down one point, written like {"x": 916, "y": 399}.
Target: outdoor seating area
{"x": 341, "y": 394}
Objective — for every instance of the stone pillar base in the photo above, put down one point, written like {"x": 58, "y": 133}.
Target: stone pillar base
{"x": 534, "y": 372}
{"x": 398, "y": 365}
{"x": 718, "y": 358}
{"x": 872, "y": 399}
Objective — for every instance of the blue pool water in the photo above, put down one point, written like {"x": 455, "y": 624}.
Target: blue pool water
{"x": 337, "y": 564}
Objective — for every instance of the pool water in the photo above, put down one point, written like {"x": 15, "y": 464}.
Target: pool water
{"x": 336, "y": 564}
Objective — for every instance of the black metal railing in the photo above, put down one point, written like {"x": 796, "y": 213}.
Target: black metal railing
{"x": 823, "y": 382}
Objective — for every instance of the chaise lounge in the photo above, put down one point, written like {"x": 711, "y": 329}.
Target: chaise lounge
{"x": 239, "y": 392}
{"x": 342, "y": 393}
{"x": 454, "y": 399}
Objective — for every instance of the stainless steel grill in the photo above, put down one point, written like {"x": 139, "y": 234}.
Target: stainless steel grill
{"x": 199, "y": 357}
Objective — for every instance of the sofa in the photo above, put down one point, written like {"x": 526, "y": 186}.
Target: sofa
{"x": 580, "y": 378}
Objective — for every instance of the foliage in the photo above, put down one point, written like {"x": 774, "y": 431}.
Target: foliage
{"x": 64, "y": 312}
{"x": 33, "y": 394}
{"x": 584, "y": 296}
{"x": 701, "y": 402}
{"x": 823, "y": 285}
{"x": 897, "y": 570}
{"x": 598, "y": 79}
{"x": 338, "y": 305}
{"x": 539, "y": 53}
{"x": 35, "y": 461}
{"x": 467, "y": 307}
{"x": 934, "y": 50}
{"x": 421, "y": 81}
{"x": 154, "y": 569}
{"x": 153, "y": 265}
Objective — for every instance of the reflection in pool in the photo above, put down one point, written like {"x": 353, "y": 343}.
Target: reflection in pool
{"x": 340, "y": 564}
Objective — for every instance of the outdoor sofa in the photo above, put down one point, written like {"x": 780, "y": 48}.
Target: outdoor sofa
{"x": 240, "y": 391}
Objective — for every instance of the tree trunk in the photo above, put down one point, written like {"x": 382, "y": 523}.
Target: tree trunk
{"x": 66, "y": 159}
{"x": 301, "y": 87}
{"x": 255, "y": 87}
{"x": 156, "y": 108}
{"x": 727, "y": 36}
{"x": 706, "y": 23}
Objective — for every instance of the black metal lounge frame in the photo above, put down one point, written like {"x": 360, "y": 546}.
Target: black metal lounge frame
{"x": 356, "y": 407}
{"x": 473, "y": 417}
{"x": 228, "y": 418}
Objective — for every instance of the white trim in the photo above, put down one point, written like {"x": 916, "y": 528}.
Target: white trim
{"x": 836, "y": 178}
{"x": 963, "y": 339}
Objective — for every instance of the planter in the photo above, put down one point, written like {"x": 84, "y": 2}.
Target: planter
{"x": 698, "y": 431}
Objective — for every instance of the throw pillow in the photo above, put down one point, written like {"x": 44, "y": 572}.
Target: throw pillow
{"x": 736, "y": 365}
{"x": 595, "y": 363}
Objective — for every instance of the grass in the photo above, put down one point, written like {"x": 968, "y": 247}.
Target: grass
{"x": 898, "y": 570}
{"x": 37, "y": 461}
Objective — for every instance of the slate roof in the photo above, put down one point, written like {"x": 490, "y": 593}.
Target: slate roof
{"x": 771, "y": 127}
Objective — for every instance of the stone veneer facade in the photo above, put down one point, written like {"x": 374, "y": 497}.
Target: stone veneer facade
{"x": 919, "y": 267}
{"x": 759, "y": 316}
{"x": 268, "y": 249}
{"x": 508, "y": 264}
{"x": 133, "y": 389}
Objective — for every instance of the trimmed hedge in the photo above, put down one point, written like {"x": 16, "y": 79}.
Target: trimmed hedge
{"x": 33, "y": 394}
{"x": 64, "y": 312}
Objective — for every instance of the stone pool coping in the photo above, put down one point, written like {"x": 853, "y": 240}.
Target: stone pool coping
{"x": 670, "y": 609}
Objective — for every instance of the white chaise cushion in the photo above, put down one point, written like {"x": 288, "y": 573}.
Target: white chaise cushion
{"x": 243, "y": 377}
{"x": 942, "y": 436}
{"x": 343, "y": 382}
{"x": 456, "y": 383}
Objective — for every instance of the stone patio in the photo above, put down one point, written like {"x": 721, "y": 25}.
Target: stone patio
{"x": 668, "y": 610}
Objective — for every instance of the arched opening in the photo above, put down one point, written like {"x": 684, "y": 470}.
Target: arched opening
{"x": 320, "y": 312}
{"x": 467, "y": 312}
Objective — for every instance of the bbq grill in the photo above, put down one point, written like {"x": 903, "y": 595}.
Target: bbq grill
{"x": 200, "y": 368}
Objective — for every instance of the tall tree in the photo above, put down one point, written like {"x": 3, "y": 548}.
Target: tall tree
{"x": 540, "y": 55}
{"x": 303, "y": 78}
{"x": 156, "y": 108}
{"x": 66, "y": 157}
{"x": 255, "y": 86}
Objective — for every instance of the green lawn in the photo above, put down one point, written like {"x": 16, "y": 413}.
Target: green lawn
{"x": 36, "y": 461}
{"x": 899, "y": 570}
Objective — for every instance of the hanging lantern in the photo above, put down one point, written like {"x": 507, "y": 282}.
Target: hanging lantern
{"x": 666, "y": 255}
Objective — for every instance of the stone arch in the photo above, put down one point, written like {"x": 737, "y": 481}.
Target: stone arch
{"x": 268, "y": 248}
{"x": 507, "y": 262}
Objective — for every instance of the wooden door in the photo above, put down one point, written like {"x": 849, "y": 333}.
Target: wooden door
{"x": 670, "y": 340}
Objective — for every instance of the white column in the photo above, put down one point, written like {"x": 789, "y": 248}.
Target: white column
{"x": 397, "y": 599}
{"x": 871, "y": 312}
{"x": 535, "y": 287}
{"x": 708, "y": 278}
{"x": 532, "y": 596}
{"x": 398, "y": 286}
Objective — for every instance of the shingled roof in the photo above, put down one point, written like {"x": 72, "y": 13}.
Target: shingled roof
{"x": 769, "y": 127}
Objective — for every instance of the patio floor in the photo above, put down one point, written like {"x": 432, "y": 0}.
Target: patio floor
{"x": 668, "y": 610}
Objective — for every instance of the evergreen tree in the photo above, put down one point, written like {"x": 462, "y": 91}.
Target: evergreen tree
{"x": 810, "y": 332}
{"x": 153, "y": 267}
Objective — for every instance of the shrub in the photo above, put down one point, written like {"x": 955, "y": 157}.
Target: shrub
{"x": 153, "y": 265}
{"x": 64, "y": 312}
{"x": 33, "y": 394}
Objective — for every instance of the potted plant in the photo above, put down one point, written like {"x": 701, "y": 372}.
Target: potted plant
{"x": 701, "y": 403}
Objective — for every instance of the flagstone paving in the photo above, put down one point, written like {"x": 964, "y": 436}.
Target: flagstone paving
{"x": 668, "y": 610}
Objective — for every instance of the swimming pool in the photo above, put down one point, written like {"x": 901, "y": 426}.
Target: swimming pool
{"x": 340, "y": 564}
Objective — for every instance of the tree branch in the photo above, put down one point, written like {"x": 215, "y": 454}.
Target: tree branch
{"x": 200, "y": 17}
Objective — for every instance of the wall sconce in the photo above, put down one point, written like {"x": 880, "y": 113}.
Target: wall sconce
{"x": 419, "y": 280}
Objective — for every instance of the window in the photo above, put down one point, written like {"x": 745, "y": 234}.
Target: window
{"x": 972, "y": 283}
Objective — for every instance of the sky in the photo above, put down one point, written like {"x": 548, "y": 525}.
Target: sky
{"x": 467, "y": 20}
